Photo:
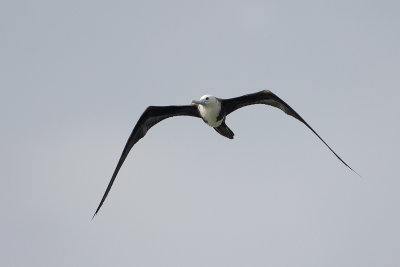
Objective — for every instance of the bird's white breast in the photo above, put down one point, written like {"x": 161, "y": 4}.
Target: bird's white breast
{"x": 210, "y": 113}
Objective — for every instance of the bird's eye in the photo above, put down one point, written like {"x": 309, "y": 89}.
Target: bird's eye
{"x": 206, "y": 98}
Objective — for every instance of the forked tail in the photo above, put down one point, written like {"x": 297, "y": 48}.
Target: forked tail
{"x": 224, "y": 131}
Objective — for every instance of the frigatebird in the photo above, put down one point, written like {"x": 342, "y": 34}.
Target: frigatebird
{"x": 213, "y": 111}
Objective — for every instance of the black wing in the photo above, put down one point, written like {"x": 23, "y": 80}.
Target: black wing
{"x": 268, "y": 98}
{"x": 150, "y": 117}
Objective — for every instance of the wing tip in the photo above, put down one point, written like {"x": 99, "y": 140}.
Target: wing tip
{"x": 98, "y": 208}
{"x": 347, "y": 165}
{"x": 359, "y": 175}
{"x": 94, "y": 215}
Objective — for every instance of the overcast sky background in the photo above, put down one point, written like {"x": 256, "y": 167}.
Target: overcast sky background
{"x": 76, "y": 75}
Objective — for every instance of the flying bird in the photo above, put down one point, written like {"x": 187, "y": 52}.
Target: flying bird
{"x": 213, "y": 111}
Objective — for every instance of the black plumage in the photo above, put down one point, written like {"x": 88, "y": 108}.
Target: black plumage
{"x": 154, "y": 114}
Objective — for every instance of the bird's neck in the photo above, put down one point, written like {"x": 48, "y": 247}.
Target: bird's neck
{"x": 210, "y": 113}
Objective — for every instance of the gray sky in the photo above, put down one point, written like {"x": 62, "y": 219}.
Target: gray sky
{"x": 76, "y": 75}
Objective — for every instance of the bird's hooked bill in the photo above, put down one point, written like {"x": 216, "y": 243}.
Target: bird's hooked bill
{"x": 200, "y": 102}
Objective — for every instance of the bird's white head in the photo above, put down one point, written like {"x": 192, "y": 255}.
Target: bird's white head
{"x": 206, "y": 100}
{"x": 209, "y": 107}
